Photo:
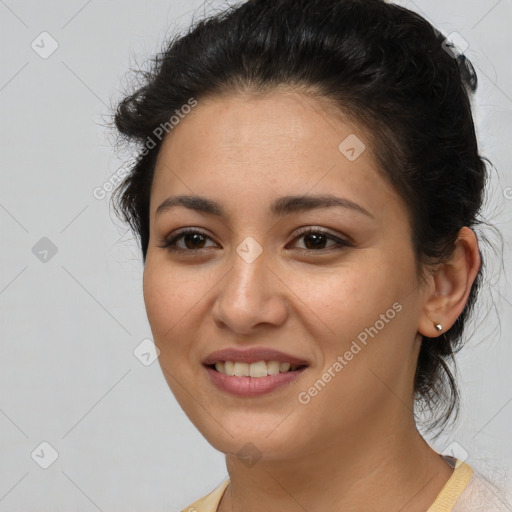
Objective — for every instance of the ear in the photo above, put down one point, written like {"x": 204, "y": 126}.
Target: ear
{"x": 450, "y": 285}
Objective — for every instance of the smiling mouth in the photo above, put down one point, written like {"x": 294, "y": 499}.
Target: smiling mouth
{"x": 257, "y": 370}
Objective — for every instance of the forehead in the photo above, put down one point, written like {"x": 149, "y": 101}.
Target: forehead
{"x": 276, "y": 123}
{"x": 237, "y": 147}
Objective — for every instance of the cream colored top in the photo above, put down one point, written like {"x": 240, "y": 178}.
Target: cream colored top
{"x": 463, "y": 492}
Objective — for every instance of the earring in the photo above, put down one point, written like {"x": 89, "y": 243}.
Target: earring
{"x": 438, "y": 327}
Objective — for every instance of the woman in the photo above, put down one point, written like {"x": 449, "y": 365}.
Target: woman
{"x": 304, "y": 193}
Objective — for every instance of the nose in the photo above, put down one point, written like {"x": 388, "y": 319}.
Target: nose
{"x": 250, "y": 294}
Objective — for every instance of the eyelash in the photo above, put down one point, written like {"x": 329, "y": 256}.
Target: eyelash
{"x": 170, "y": 242}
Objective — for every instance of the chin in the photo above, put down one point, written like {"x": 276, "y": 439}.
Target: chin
{"x": 250, "y": 439}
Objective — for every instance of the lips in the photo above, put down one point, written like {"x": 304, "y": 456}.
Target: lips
{"x": 252, "y": 355}
{"x": 252, "y": 372}
{"x": 249, "y": 387}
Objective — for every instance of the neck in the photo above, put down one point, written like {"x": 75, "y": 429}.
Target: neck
{"x": 370, "y": 470}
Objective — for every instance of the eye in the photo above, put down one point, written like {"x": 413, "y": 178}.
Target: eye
{"x": 194, "y": 240}
{"x": 315, "y": 238}
{"x": 190, "y": 237}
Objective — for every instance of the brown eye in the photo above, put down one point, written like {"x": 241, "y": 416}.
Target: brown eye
{"x": 194, "y": 240}
{"x": 315, "y": 239}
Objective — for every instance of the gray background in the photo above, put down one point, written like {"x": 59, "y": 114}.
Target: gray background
{"x": 70, "y": 321}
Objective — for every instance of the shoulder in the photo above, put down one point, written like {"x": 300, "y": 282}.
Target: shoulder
{"x": 483, "y": 496}
{"x": 210, "y": 502}
{"x": 469, "y": 491}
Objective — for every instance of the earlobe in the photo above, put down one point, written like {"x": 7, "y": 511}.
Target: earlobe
{"x": 450, "y": 286}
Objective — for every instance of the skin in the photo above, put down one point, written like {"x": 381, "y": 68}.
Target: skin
{"x": 355, "y": 445}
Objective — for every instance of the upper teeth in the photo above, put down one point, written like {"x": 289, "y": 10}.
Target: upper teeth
{"x": 259, "y": 369}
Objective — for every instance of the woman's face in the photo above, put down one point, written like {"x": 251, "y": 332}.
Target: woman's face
{"x": 347, "y": 307}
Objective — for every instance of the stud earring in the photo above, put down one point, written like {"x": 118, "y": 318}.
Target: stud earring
{"x": 438, "y": 327}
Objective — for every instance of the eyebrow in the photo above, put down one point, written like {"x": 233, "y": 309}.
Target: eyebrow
{"x": 280, "y": 207}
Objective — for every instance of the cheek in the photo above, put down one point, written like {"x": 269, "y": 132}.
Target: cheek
{"x": 167, "y": 297}
{"x": 170, "y": 296}
{"x": 368, "y": 316}
{"x": 156, "y": 296}
{"x": 349, "y": 298}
